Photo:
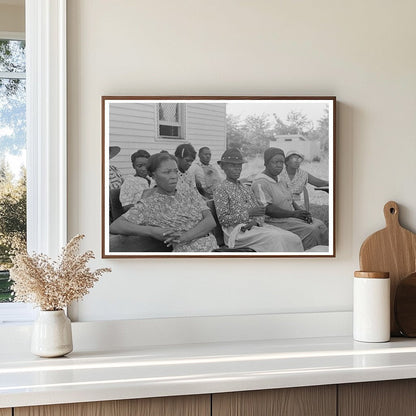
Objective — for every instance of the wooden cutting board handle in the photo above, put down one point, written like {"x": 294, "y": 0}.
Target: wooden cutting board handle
{"x": 391, "y": 214}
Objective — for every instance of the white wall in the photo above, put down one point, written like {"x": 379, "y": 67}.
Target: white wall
{"x": 363, "y": 52}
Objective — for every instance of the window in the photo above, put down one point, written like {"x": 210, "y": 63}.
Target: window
{"x": 170, "y": 119}
{"x": 13, "y": 155}
{"x": 46, "y": 136}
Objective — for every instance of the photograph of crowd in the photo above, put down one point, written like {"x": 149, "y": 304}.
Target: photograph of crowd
{"x": 250, "y": 176}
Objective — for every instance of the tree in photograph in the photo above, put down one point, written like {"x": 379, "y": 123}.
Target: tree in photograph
{"x": 296, "y": 123}
{"x": 323, "y": 130}
{"x": 235, "y": 136}
{"x": 251, "y": 135}
{"x": 258, "y": 134}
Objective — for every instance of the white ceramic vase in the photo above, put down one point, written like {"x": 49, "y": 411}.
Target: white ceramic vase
{"x": 52, "y": 334}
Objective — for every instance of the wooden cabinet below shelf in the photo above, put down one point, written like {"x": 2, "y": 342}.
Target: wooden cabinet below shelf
{"x": 380, "y": 398}
{"x": 299, "y": 401}
{"x": 160, "y": 406}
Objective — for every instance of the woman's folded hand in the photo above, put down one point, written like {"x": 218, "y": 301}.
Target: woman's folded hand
{"x": 172, "y": 237}
{"x": 303, "y": 215}
{"x": 249, "y": 225}
{"x": 160, "y": 233}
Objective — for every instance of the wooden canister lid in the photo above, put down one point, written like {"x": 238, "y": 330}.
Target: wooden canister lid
{"x": 372, "y": 275}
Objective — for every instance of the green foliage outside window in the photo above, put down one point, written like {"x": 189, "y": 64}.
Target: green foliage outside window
{"x": 12, "y": 144}
{"x": 12, "y": 224}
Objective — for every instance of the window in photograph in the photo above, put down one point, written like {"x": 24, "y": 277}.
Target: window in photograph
{"x": 170, "y": 120}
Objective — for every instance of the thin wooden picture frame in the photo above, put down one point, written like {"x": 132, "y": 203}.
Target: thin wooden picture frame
{"x": 300, "y": 132}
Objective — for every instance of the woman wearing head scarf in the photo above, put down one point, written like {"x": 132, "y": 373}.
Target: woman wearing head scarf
{"x": 179, "y": 218}
{"x": 297, "y": 178}
{"x": 241, "y": 215}
{"x": 280, "y": 209}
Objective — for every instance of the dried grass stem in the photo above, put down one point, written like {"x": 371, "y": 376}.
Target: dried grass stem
{"x": 53, "y": 285}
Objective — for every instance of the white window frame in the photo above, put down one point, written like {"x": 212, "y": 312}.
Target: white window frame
{"x": 46, "y": 133}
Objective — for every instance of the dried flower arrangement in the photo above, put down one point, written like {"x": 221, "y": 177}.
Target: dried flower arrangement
{"x": 53, "y": 285}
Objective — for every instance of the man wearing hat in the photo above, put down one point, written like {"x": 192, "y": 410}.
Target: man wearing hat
{"x": 116, "y": 178}
{"x": 241, "y": 215}
{"x": 280, "y": 208}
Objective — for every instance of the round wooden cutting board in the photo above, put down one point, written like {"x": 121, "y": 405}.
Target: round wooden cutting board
{"x": 392, "y": 250}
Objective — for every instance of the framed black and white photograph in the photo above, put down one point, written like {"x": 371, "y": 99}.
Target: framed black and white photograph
{"x": 218, "y": 176}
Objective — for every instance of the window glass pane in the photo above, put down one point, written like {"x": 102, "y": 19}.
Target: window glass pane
{"x": 5, "y": 292}
{"x": 169, "y": 112}
{"x": 12, "y": 56}
{"x": 12, "y": 157}
{"x": 12, "y": 119}
{"x": 169, "y": 131}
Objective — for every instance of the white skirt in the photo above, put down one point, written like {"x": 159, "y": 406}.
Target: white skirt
{"x": 262, "y": 239}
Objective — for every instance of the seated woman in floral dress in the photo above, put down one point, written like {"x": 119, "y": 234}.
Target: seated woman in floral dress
{"x": 179, "y": 218}
{"x": 242, "y": 216}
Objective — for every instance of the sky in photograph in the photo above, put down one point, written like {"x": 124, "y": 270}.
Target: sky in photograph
{"x": 313, "y": 109}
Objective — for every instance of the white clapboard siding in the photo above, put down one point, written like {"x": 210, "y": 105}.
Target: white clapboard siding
{"x": 206, "y": 126}
{"x": 133, "y": 126}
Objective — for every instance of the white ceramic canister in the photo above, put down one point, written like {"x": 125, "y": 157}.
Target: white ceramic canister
{"x": 371, "y": 309}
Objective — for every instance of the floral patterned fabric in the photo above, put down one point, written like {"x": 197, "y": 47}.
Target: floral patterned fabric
{"x": 116, "y": 178}
{"x": 296, "y": 184}
{"x": 180, "y": 212}
{"x": 186, "y": 179}
{"x": 132, "y": 188}
{"x": 232, "y": 202}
